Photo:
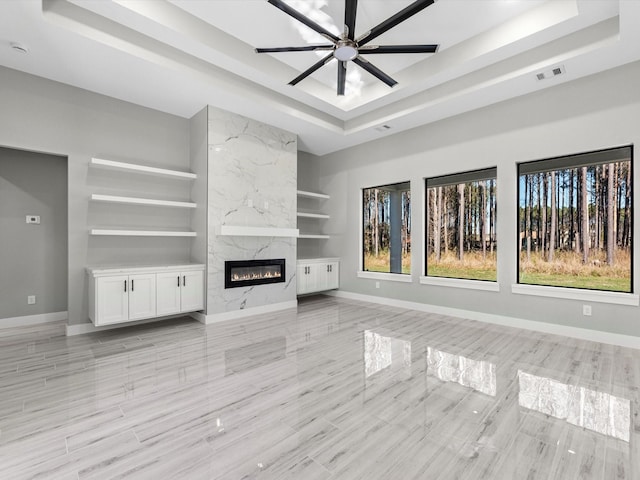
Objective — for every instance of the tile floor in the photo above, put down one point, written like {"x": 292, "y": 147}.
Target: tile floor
{"x": 337, "y": 390}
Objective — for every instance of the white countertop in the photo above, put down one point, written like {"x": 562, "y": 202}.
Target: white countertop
{"x": 122, "y": 269}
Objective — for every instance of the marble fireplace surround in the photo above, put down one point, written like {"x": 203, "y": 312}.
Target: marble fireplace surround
{"x": 252, "y": 200}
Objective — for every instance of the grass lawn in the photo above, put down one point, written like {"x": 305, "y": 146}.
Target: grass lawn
{"x": 614, "y": 284}
{"x": 385, "y": 268}
{"x": 463, "y": 272}
{"x": 382, "y": 263}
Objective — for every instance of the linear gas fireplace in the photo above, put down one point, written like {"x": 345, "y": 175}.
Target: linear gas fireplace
{"x": 243, "y": 273}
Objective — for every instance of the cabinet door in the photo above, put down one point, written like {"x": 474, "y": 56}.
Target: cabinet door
{"x": 301, "y": 279}
{"x": 314, "y": 277}
{"x": 112, "y": 299}
{"x": 142, "y": 296}
{"x": 192, "y": 292}
{"x": 333, "y": 279}
{"x": 168, "y": 293}
{"x": 321, "y": 274}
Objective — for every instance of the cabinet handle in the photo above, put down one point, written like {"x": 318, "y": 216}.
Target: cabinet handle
{"x": 125, "y": 285}
{"x": 132, "y": 285}
{"x": 184, "y": 280}
{"x": 178, "y": 280}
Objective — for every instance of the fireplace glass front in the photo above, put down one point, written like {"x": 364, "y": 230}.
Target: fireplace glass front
{"x": 243, "y": 273}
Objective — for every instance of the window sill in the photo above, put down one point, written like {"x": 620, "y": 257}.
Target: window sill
{"x": 461, "y": 283}
{"x": 577, "y": 294}
{"x": 391, "y": 277}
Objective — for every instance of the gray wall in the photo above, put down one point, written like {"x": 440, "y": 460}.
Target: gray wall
{"x": 308, "y": 181}
{"x": 33, "y": 258}
{"x": 596, "y": 112}
{"x": 46, "y": 116}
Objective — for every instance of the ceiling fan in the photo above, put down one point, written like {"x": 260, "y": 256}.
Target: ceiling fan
{"x": 348, "y": 48}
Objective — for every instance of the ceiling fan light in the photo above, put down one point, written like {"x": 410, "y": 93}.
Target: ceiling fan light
{"x": 344, "y": 53}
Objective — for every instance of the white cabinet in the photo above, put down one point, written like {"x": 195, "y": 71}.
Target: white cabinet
{"x": 180, "y": 292}
{"x": 142, "y": 296}
{"x": 118, "y": 295}
{"x": 317, "y": 275}
{"x": 333, "y": 275}
{"x": 111, "y": 300}
{"x": 122, "y": 298}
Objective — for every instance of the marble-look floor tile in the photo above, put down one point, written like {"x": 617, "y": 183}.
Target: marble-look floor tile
{"x": 338, "y": 390}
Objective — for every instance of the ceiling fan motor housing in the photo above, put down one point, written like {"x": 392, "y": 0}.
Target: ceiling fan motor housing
{"x": 345, "y": 50}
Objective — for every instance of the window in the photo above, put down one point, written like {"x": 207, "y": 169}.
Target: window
{"x": 575, "y": 221}
{"x": 386, "y": 230}
{"x": 461, "y": 220}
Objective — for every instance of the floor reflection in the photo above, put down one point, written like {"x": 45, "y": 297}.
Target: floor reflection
{"x": 381, "y": 352}
{"x": 580, "y": 406}
{"x": 476, "y": 374}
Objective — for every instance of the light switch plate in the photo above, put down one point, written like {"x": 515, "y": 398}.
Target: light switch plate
{"x": 35, "y": 219}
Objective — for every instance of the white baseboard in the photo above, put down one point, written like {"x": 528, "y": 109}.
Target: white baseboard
{"x": 568, "y": 331}
{"x": 32, "y": 319}
{"x": 82, "y": 328}
{"x": 246, "y": 312}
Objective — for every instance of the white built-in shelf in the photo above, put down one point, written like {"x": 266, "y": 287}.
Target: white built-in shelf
{"x": 302, "y": 193}
{"x": 241, "y": 231}
{"x": 142, "y": 168}
{"x": 141, "y": 233}
{"x": 310, "y": 235}
{"x": 141, "y": 201}
{"x": 312, "y": 215}
{"x": 321, "y": 196}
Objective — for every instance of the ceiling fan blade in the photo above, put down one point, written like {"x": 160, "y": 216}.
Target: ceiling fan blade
{"x": 302, "y": 19}
{"x": 350, "y": 8}
{"x": 342, "y": 77}
{"x": 371, "y": 49}
{"x": 312, "y": 69}
{"x": 308, "y": 48}
{"x": 391, "y": 22}
{"x": 375, "y": 71}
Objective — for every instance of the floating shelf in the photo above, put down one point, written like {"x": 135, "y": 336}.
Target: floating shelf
{"x": 312, "y": 215}
{"x": 240, "y": 231}
{"x": 141, "y": 201}
{"x": 141, "y": 233}
{"x": 302, "y": 193}
{"x": 142, "y": 168}
{"x": 309, "y": 235}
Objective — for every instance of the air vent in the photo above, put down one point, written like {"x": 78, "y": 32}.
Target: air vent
{"x": 552, "y": 72}
{"x": 383, "y": 128}
{"x": 19, "y": 47}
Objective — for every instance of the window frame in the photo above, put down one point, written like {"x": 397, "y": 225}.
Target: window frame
{"x": 467, "y": 176}
{"x": 390, "y": 276}
{"x": 563, "y": 291}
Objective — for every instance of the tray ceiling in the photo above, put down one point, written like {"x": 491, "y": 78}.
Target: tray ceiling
{"x": 179, "y": 55}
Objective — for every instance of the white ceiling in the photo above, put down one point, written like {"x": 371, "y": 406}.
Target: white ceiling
{"x": 179, "y": 55}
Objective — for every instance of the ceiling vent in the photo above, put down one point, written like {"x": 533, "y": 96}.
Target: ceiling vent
{"x": 19, "y": 47}
{"x": 383, "y": 128}
{"x": 553, "y": 72}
